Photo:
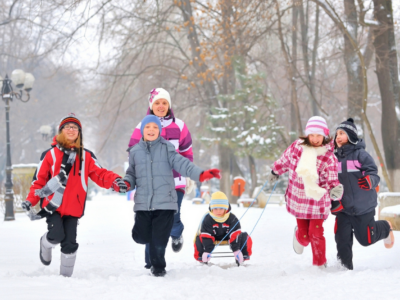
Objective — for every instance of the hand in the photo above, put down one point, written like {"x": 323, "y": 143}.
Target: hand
{"x": 26, "y": 205}
{"x": 365, "y": 183}
{"x": 120, "y": 186}
{"x": 336, "y": 207}
{"x": 239, "y": 256}
{"x": 272, "y": 177}
{"x": 209, "y": 174}
{"x": 336, "y": 192}
{"x": 206, "y": 257}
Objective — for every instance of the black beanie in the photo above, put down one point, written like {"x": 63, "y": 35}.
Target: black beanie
{"x": 350, "y": 129}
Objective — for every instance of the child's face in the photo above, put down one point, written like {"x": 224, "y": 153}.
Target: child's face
{"x": 316, "y": 139}
{"x": 341, "y": 138}
{"x": 219, "y": 212}
{"x": 151, "y": 132}
{"x": 160, "y": 107}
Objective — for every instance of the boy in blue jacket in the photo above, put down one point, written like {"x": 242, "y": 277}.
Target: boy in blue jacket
{"x": 151, "y": 162}
{"x": 355, "y": 213}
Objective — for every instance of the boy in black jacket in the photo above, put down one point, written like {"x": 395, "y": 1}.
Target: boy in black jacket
{"x": 215, "y": 226}
{"x": 358, "y": 174}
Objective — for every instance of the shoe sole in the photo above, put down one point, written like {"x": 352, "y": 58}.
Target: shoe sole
{"x": 296, "y": 242}
{"x": 46, "y": 263}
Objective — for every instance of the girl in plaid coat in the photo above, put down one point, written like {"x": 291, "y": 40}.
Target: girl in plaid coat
{"x": 313, "y": 183}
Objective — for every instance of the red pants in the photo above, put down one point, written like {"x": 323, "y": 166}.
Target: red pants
{"x": 311, "y": 231}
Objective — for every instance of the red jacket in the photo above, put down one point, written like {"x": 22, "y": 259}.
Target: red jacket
{"x": 74, "y": 198}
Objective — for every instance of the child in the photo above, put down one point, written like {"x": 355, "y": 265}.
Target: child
{"x": 358, "y": 174}
{"x": 60, "y": 184}
{"x": 215, "y": 226}
{"x": 151, "y": 162}
{"x": 313, "y": 182}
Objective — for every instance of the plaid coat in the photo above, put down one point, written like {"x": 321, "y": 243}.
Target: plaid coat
{"x": 297, "y": 202}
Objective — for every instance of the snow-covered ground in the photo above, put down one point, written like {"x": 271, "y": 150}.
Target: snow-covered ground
{"x": 110, "y": 265}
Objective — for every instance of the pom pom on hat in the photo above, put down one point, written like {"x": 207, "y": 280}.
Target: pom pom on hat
{"x": 219, "y": 200}
{"x": 159, "y": 93}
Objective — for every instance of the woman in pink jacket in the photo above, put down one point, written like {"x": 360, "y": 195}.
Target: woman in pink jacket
{"x": 313, "y": 183}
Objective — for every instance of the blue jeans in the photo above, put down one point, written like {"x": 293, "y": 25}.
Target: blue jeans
{"x": 176, "y": 231}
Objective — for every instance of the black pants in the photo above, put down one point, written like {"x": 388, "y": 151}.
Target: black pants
{"x": 246, "y": 251}
{"x": 62, "y": 230}
{"x": 366, "y": 230}
{"x": 154, "y": 227}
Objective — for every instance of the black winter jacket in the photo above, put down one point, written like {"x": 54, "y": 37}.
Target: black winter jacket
{"x": 212, "y": 230}
{"x": 354, "y": 163}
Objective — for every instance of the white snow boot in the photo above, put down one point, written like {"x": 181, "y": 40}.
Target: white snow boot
{"x": 45, "y": 250}
{"x": 297, "y": 247}
{"x": 67, "y": 264}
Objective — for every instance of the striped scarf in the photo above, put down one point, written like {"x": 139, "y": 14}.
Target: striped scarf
{"x": 220, "y": 219}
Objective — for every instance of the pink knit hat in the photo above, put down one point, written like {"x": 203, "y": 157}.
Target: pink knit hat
{"x": 317, "y": 125}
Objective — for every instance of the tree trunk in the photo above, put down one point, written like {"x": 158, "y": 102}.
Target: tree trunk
{"x": 388, "y": 83}
{"x": 253, "y": 176}
{"x": 355, "y": 83}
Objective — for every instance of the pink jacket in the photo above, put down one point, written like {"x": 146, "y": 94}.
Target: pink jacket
{"x": 297, "y": 203}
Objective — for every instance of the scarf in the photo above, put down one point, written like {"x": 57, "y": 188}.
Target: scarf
{"x": 57, "y": 184}
{"x": 307, "y": 170}
{"x": 220, "y": 219}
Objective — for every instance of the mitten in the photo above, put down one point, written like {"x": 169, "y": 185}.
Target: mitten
{"x": 209, "y": 174}
{"x": 190, "y": 184}
{"x": 272, "y": 177}
{"x": 206, "y": 257}
{"x": 119, "y": 185}
{"x": 336, "y": 192}
{"x": 26, "y": 205}
{"x": 365, "y": 183}
{"x": 239, "y": 256}
{"x": 336, "y": 207}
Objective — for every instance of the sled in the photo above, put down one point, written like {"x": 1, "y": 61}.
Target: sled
{"x": 198, "y": 201}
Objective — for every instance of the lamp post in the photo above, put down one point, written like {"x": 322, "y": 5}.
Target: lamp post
{"x": 20, "y": 80}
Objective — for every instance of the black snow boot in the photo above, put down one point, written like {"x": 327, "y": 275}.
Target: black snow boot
{"x": 158, "y": 272}
{"x": 177, "y": 244}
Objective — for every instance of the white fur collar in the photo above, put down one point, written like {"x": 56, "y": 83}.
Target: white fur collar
{"x": 307, "y": 170}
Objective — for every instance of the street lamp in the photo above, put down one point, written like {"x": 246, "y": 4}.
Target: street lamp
{"x": 20, "y": 80}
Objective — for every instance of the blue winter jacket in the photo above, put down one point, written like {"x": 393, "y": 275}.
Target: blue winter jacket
{"x": 354, "y": 163}
{"x": 150, "y": 171}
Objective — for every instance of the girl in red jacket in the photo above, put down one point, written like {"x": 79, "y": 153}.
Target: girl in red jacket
{"x": 60, "y": 184}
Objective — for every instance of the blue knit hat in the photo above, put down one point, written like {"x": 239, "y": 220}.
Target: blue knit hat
{"x": 150, "y": 119}
{"x": 219, "y": 200}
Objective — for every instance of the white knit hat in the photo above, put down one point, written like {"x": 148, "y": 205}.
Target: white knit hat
{"x": 159, "y": 93}
{"x": 317, "y": 125}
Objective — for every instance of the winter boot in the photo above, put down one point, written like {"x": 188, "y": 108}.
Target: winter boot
{"x": 177, "y": 244}
{"x": 67, "y": 264}
{"x": 297, "y": 247}
{"x": 45, "y": 250}
{"x": 389, "y": 241}
{"x": 157, "y": 272}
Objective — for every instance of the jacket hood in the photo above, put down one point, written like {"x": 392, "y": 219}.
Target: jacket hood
{"x": 348, "y": 148}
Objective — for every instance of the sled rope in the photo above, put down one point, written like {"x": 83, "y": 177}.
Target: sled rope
{"x": 209, "y": 255}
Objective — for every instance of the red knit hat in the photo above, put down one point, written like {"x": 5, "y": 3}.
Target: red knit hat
{"x": 71, "y": 118}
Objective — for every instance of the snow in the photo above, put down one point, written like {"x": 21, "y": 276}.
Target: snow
{"x": 391, "y": 210}
{"x": 110, "y": 265}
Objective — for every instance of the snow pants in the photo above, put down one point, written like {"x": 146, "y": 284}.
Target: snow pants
{"x": 176, "y": 231}
{"x": 62, "y": 230}
{"x": 154, "y": 228}
{"x": 247, "y": 249}
{"x": 312, "y": 231}
{"x": 366, "y": 230}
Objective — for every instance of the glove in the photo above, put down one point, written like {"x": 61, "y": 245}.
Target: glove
{"x": 336, "y": 207}
{"x": 206, "y": 257}
{"x": 272, "y": 177}
{"x": 190, "y": 184}
{"x": 365, "y": 183}
{"x": 336, "y": 192}
{"x": 209, "y": 174}
{"x": 239, "y": 256}
{"x": 26, "y": 205}
{"x": 120, "y": 186}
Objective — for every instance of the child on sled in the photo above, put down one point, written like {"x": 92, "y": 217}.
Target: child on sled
{"x": 215, "y": 226}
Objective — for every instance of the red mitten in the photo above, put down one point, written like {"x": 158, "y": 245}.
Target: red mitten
{"x": 365, "y": 183}
{"x": 209, "y": 174}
